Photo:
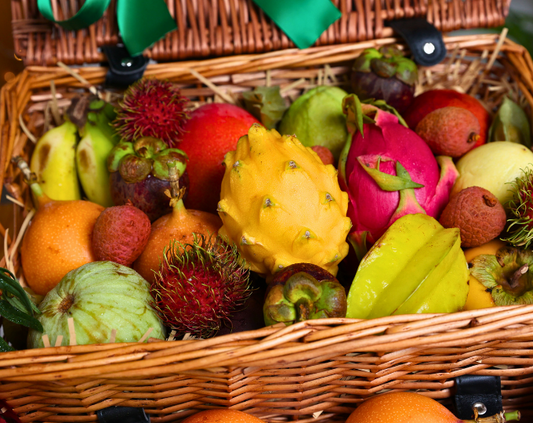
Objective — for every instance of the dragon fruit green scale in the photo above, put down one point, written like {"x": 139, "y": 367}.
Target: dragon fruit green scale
{"x": 281, "y": 205}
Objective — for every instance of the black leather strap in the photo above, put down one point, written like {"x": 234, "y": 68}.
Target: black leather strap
{"x": 424, "y": 40}
{"x": 472, "y": 389}
{"x": 124, "y": 70}
{"x": 122, "y": 415}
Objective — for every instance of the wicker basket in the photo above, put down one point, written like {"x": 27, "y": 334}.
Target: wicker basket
{"x": 211, "y": 28}
{"x": 312, "y": 371}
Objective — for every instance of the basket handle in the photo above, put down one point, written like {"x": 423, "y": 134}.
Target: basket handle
{"x": 423, "y": 38}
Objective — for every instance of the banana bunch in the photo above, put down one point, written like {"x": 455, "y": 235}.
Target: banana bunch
{"x": 70, "y": 160}
{"x": 417, "y": 266}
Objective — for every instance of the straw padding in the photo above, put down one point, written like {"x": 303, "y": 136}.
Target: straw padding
{"x": 211, "y": 28}
{"x": 315, "y": 371}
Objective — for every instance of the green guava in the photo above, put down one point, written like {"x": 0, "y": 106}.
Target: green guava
{"x": 316, "y": 118}
{"x": 99, "y": 297}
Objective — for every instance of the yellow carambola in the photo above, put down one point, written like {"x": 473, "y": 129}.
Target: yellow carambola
{"x": 417, "y": 266}
{"x": 281, "y": 205}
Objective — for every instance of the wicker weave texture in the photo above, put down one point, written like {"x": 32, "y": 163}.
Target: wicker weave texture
{"x": 215, "y": 28}
{"x": 325, "y": 367}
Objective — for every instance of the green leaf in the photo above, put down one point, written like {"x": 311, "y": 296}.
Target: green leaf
{"x": 17, "y": 303}
{"x": 4, "y": 346}
{"x": 510, "y": 124}
{"x": 19, "y": 317}
{"x": 266, "y": 104}
{"x": 9, "y": 284}
{"x": 390, "y": 182}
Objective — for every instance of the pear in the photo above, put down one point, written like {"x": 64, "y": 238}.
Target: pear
{"x": 493, "y": 166}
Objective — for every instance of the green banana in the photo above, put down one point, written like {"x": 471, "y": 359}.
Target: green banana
{"x": 54, "y": 162}
{"x": 97, "y": 140}
{"x": 417, "y": 266}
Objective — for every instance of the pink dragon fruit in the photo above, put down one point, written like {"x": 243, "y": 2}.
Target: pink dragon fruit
{"x": 388, "y": 171}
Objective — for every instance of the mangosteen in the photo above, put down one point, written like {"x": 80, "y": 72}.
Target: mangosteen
{"x": 139, "y": 173}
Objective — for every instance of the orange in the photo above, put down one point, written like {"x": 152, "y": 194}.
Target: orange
{"x": 57, "y": 241}
{"x": 222, "y": 415}
{"x": 401, "y": 407}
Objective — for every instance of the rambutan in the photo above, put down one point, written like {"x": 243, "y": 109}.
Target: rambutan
{"x": 152, "y": 108}
{"x": 520, "y": 211}
{"x": 199, "y": 285}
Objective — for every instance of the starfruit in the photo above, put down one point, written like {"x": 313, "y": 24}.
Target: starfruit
{"x": 417, "y": 266}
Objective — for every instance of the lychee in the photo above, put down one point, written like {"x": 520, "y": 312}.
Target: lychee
{"x": 449, "y": 131}
{"x": 434, "y": 99}
{"x": 477, "y": 213}
{"x": 120, "y": 234}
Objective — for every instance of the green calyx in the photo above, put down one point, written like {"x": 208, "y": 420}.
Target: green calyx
{"x": 302, "y": 297}
{"x": 520, "y": 211}
{"x": 508, "y": 274}
{"x": 387, "y": 62}
{"x": 147, "y": 155}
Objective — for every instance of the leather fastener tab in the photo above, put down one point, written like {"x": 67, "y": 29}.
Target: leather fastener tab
{"x": 122, "y": 415}
{"x": 424, "y": 40}
{"x": 477, "y": 392}
{"x": 124, "y": 69}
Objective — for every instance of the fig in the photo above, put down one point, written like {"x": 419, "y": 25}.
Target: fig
{"x": 303, "y": 291}
{"x": 139, "y": 173}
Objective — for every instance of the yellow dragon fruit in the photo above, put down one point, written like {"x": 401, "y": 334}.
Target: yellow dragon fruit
{"x": 281, "y": 205}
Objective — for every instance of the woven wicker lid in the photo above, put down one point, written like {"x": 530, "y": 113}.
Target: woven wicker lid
{"x": 213, "y": 28}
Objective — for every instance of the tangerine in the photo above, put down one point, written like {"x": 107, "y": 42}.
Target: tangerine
{"x": 401, "y": 407}
{"x": 222, "y": 415}
{"x": 57, "y": 241}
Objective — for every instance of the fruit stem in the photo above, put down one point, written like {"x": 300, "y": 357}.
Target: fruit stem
{"x": 497, "y": 418}
{"x": 31, "y": 179}
{"x": 515, "y": 279}
{"x": 176, "y": 192}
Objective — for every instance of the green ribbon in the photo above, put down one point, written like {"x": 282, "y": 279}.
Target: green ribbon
{"x": 303, "y": 21}
{"x": 141, "y": 22}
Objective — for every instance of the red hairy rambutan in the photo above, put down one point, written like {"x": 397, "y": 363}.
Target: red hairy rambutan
{"x": 199, "y": 285}
{"x": 152, "y": 108}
